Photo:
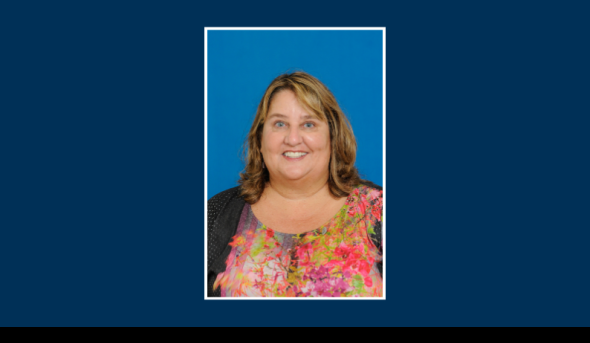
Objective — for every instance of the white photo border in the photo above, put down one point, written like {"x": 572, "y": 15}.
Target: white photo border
{"x": 384, "y": 231}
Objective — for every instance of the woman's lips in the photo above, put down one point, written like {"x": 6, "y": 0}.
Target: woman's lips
{"x": 294, "y": 156}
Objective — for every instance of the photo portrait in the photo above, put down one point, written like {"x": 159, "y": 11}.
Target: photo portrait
{"x": 294, "y": 163}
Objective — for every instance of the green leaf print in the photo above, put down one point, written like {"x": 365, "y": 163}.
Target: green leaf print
{"x": 256, "y": 250}
{"x": 358, "y": 283}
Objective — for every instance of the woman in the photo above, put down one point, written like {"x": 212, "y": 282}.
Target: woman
{"x": 302, "y": 223}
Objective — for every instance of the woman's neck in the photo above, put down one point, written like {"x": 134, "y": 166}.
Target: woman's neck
{"x": 296, "y": 191}
{"x": 295, "y": 210}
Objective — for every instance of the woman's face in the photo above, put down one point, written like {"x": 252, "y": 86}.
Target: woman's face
{"x": 295, "y": 146}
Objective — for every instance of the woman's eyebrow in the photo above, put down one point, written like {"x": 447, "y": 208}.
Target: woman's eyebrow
{"x": 277, "y": 115}
{"x": 305, "y": 117}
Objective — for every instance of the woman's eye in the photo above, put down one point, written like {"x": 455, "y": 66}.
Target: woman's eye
{"x": 279, "y": 124}
{"x": 309, "y": 125}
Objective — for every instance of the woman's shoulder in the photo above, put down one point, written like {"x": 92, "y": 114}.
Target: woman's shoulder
{"x": 221, "y": 201}
{"x": 368, "y": 189}
{"x": 225, "y": 195}
{"x": 370, "y": 200}
{"x": 370, "y": 184}
{"x": 368, "y": 197}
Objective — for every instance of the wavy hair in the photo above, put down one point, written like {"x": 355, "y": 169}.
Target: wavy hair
{"x": 316, "y": 98}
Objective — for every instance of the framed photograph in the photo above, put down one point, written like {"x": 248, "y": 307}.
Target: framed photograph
{"x": 295, "y": 137}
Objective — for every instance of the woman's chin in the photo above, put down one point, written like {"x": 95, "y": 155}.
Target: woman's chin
{"x": 296, "y": 177}
{"x": 293, "y": 176}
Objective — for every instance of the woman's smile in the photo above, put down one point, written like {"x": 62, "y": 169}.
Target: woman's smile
{"x": 294, "y": 156}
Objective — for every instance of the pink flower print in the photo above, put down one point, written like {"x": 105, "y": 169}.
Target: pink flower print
{"x": 260, "y": 286}
{"x": 307, "y": 289}
{"x": 352, "y": 197}
{"x": 304, "y": 253}
{"x": 355, "y": 262}
{"x": 319, "y": 283}
{"x": 376, "y": 212}
{"x": 352, "y": 210}
{"x": 333, "y": 263}
{"x": 363, "y": 204}
{"x": 364, "y": 268}
{"x": 374, "y": 194}
{"x": 270, "y": 233}
{"x": 342, "y": 251}
{"x": 237, "y": 241}
{"x": 359, "y": 206}
{"x": 342, "y": 286}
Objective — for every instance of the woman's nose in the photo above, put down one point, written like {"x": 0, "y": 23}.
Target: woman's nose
{"x": 293, "y": 137}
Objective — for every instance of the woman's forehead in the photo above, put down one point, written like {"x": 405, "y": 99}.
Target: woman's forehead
{"x": 286, "y": 102}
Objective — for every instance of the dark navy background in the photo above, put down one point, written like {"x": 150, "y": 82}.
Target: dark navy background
{"x": 102, "y": 212}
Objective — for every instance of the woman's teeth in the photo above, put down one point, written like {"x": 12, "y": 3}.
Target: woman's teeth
{"x": 294, "y": 154}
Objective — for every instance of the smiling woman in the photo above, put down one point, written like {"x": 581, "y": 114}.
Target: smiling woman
{"x": 302, "y": 223}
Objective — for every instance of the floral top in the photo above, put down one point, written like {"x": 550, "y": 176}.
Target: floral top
{"x": 339, "y": 259}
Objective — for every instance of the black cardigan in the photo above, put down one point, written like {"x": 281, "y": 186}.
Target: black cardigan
{"x": 223, "y": 216}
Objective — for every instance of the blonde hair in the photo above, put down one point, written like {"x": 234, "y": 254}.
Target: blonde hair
{"x": 314, "y": 96}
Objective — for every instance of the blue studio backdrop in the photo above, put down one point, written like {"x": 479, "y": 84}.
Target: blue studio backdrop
{"x": 242, "y": 63}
